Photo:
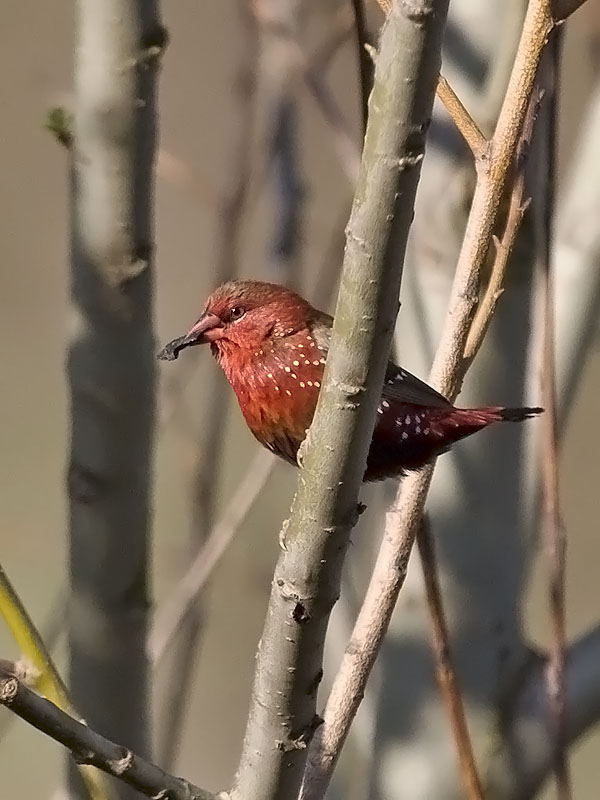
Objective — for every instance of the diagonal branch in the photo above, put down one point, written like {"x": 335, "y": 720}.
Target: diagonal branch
{"x": 89, "y": 747}
{"x": 171, "y": 616}
{"x": 465, "y": 123}
{"x": 504, "y": 246}
{"x": 307, "y": 577}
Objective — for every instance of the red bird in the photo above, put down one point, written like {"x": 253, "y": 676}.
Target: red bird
{"x": 272, "y": 345}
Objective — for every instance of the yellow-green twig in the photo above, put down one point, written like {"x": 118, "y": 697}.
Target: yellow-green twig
{"x": 49, "y": 683}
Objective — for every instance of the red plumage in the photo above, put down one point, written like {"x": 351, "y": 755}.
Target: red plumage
{"x": 272, "y": 345}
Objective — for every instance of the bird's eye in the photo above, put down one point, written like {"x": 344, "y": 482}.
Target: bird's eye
{"x": 237, "y": 312}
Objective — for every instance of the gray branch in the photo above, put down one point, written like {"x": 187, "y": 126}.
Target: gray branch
{"x": 306, "y": 584}
{"x": 111, "y": 364}
{"x": 529, "y": 744}
{"x": 88, "y": 747}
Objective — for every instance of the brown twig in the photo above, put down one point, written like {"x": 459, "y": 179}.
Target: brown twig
{"x": 446, "y": 375}
{"x": 504, "y": 246}
{"x": 446, "y": 674}
{"x": 89, "y": 747}
{"x": 465, "y": 123}
{"x": 554, "y": 533}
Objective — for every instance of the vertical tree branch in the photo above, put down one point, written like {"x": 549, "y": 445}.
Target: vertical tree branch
{"x": 446, "y": 674}
{"x": 111, "y": 362}
{"x": 307, "y": 577}
{"x": 554, "y": 533}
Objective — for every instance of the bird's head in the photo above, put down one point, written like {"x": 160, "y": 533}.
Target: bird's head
{"x": 246, "y": 315}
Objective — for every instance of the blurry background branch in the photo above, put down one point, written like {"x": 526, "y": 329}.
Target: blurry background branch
{"x": 446, "y": 674}
{"x": 111, "y": 364}
{"x": 553, "y": 533}
{"x": 530, "y": 721}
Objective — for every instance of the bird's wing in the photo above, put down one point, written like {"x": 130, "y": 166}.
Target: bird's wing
{"x": 400, "y": 386}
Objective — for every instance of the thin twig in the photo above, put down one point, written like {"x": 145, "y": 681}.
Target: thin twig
{"x": 554, "y": 532}
{"x": 446, "y": 674}
{"x": 90, "y": 748}
{"x": 169, "y": 618}
{"x": 446, "y": 375}
{"x": 462, "y": 119}
{"x": 504, "y": 246}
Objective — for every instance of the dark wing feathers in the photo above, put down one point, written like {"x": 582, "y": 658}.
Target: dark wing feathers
{"x": 400, "y": 386}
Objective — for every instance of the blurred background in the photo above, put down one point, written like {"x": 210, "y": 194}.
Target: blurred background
{"x": 240, "y": 112}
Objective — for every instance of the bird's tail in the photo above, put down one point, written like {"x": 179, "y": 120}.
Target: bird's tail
{"x": 518, "y": 414}
{"x": 490, "y": 414}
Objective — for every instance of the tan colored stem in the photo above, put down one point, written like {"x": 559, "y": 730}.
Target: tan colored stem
{"x": 462, "y": 119}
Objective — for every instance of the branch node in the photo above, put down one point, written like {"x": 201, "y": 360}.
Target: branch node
{"x": 121, "y": 765}
{"x": 8, "y": 690}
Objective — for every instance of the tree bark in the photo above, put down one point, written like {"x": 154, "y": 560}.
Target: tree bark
{"x": 111, "y": 364}
{"x": 307, "y": 578}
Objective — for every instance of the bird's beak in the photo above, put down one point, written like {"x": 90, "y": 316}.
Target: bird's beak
{"x": 207, "y": 329}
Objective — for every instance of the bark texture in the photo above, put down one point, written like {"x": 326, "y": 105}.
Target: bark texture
{"x": 111, "y": 363}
